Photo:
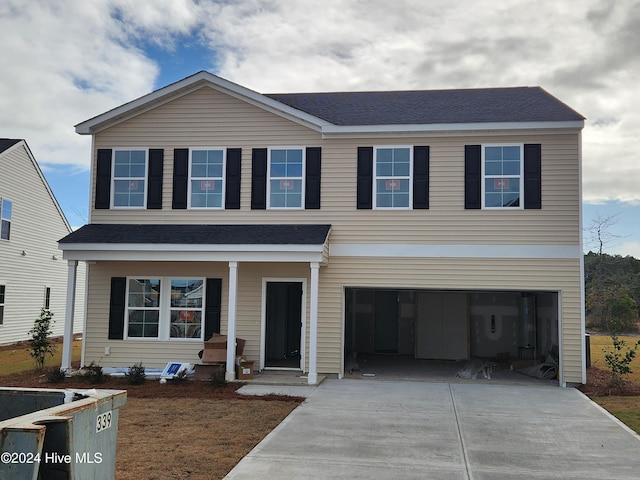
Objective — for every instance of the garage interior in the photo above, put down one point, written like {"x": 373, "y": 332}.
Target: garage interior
{"x": 406, "y": 333}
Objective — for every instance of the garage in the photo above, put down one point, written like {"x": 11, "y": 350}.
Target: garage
{"x": 407, "y": 332}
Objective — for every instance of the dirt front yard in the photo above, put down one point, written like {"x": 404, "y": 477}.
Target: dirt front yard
{"x": 190, "y": 431}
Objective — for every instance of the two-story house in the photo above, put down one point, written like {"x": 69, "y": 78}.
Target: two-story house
{"x": 429, "y": 224}
{"x": 33, "y": 274}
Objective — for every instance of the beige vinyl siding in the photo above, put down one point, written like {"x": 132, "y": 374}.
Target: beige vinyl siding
{"x": 412, "y": 273}
{"x": 36, "y": 226}
{"x": 207, "y": 118}
{"x": 152, "y": 353}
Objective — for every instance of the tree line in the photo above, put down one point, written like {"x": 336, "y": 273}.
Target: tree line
{"x": 612, "y": 291}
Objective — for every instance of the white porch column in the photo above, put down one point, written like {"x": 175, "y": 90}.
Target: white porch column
{"x": 67, "y": 343}
{"x": 231, "y": 325}
{"x": 313, "y": 325}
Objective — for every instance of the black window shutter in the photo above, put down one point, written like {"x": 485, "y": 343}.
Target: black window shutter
{"x": 312, "y": 180}
{"x": 420, "y": 177}
{"x": 259, "y": 179}
{"x": 212, "y": 307}
{"x": 180, "y": 178}
{"x": 103, "y": 179}
{"x": 472, "y": 177}
{"x": 533, "y": 176}
{"x": 364, "y": 192}
{"x": 154, "y": 188}
{"x": 232, "y": 187}
{"x": 117, "y": 307}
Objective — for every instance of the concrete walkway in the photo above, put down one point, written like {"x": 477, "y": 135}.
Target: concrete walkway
{"x": 357, "y": 429}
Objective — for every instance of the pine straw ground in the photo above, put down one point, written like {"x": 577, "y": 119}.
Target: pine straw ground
{"x": 181, "y": 431}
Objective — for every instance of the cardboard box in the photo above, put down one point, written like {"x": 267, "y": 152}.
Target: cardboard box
{"x": 245, "y": 370}
{"x": 215, "y": 349}
{"x": 205, "y": 372}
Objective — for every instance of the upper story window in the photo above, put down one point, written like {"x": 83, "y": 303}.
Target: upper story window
{"x": 129, "y": 178}
{"x": 392, "y": 182}
{"x": 6, "y": 207}
{"x": 286, "y": 174}
{"x": 206, "y": 173}
{"x": 502, "y": 170}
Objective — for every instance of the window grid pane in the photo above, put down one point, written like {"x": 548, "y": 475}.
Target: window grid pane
{"x": 207, "y": 177}
{"x": 285, "y": 178}
{"x": 143, "y": 308}
{"x": 393, "y": 177}
{"x": 129, "y": 174}
{"x": 502, "y": 172}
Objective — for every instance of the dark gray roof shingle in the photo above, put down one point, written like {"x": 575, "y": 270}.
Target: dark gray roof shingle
{"x": 200, "y": 234}
{"x": 425, "y": 107}
{"x": 7, "y": 143}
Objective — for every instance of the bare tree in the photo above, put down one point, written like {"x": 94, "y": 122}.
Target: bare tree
{"x": 599, "y": 232}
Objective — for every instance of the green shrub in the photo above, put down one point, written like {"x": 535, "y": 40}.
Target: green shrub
{"x": 40, "y": 345}
{"x": 93, "y": 374}
{"x": 181, "y": 377}
{"x": 54, "y": 375}
{"x": 619, "y": 358}
{"x": 218, "y": 380}
{"x": 136, "y": 374}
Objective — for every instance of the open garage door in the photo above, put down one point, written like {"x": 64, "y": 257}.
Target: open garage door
{"x": 423, "y": 329}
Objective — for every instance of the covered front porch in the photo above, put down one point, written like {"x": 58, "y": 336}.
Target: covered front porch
{"x": 169, "y": 251}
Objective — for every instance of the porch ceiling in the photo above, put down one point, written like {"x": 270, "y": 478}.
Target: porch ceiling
{"x": 197, "y": 242}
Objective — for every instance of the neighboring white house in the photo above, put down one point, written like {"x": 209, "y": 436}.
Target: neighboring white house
{"x": 32, "y": 272}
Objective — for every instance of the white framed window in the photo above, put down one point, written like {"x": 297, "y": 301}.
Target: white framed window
{"x": 165, "y": 308}
{"x": 129, "y": 178}
{"x": 2, "y": 299}
{"x": 206, "y": 177}
{"x": 502, "y": 176}
{"x": 392, "y": 182}
{"x": 285, "y": 185}
{"x": 143, "y": 307}
{"x": 6, "y": 211}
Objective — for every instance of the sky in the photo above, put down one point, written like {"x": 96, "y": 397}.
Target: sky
{"x": 64, "y": 62}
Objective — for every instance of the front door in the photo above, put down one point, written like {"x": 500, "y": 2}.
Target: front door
{"x": 283, "y": 324}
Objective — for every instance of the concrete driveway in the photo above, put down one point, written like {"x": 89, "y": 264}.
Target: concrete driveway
{"x": 360, "y": 429}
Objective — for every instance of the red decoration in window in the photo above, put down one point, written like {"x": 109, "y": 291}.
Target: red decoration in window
{"x": 286, "y": 184}
{"x": 393, "y": 185}
{"x": 207, "y": 185}
{"x": 133, "y": 185}
{"x": 501, "y": 183}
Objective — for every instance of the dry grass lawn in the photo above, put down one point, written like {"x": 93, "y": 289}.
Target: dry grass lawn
{"x": 192, "y": 430}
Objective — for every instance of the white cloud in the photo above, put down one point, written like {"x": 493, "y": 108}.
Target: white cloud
{"x": 68, "y": 61}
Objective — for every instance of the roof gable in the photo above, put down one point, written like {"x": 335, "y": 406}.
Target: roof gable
{"x": 353, "y": 112}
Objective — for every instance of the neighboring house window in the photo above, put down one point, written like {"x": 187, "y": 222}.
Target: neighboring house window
{"x": 143, "y": 308}
{"x": 502, "y": 176}
{"x": 207, "y": 171}
{"x": 129, "y": 178}
{"x": 392, "y": 182}
{"x": 2, "y": 292}
{"x": 186, "y": 308}
{"x": 286, "y": 174}
{"x": 6, "y": 206}
{"x": 165, "y": 308}
{"x": 47, "y": 297}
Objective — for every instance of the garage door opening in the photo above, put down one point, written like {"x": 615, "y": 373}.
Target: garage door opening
{"x": 405, "y": 333}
